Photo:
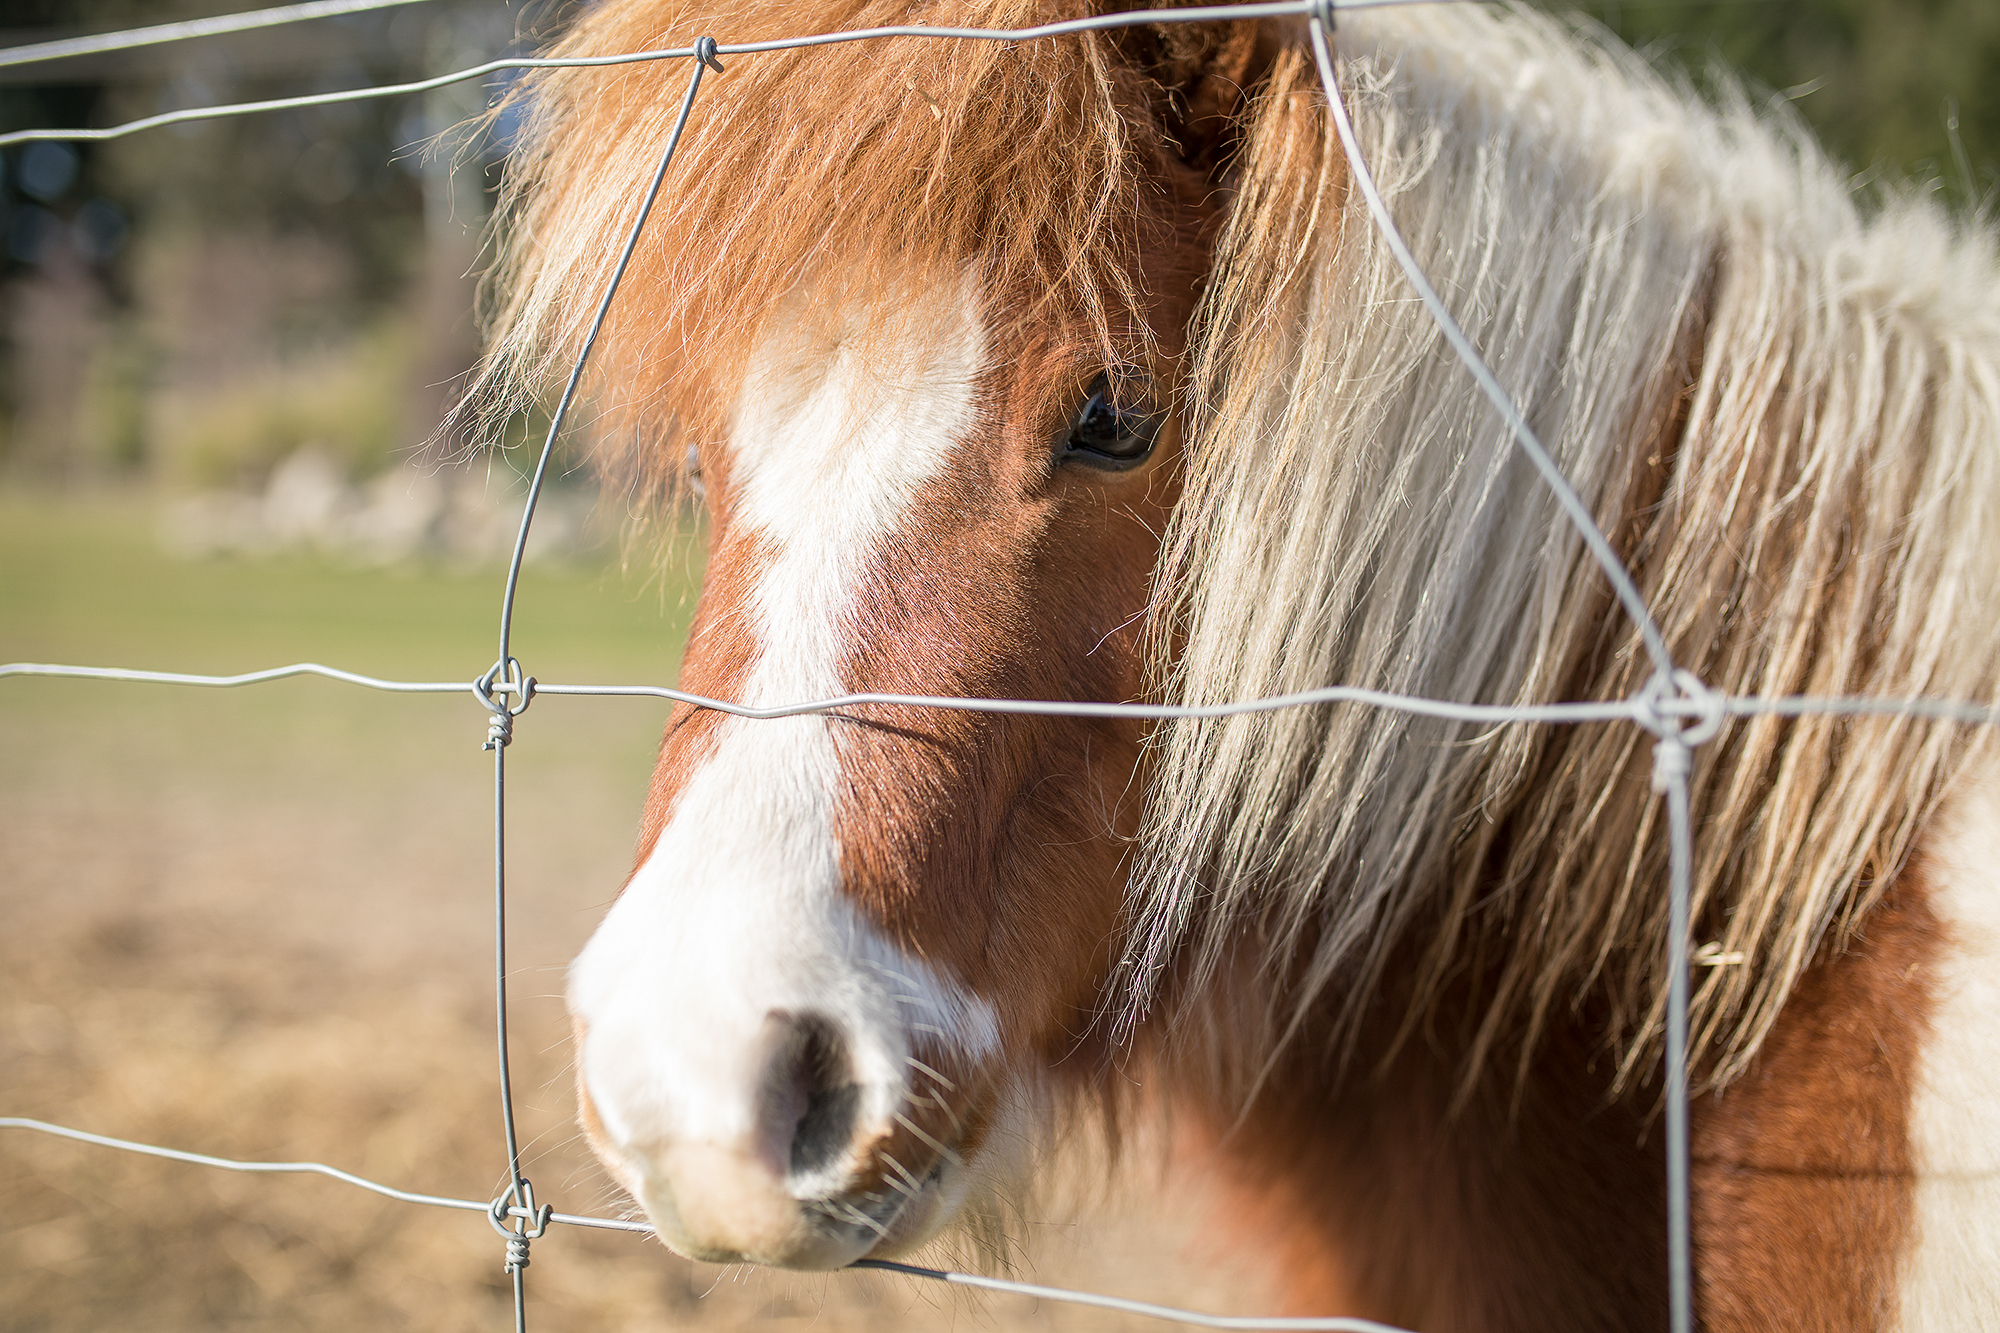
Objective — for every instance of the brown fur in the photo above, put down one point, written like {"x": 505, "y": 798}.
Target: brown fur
{"x": 1385, "y": 1202}
{"x": 1802, "y": 1172}
{"x": 1367, "y": 1192}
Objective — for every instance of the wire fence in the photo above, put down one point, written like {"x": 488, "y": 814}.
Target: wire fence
{"x": 1675, "y": 707}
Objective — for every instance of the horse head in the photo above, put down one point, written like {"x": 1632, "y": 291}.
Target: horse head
{"x": 936, "y": 429}
{"x": 852, "y": 937}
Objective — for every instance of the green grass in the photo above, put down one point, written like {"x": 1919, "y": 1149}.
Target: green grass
{"x": 83, "y": 581}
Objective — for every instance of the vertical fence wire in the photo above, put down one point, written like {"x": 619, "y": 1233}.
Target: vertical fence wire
{"x": 516, "y": 691}
{"x": 1671, "y": 771}
{"x": 1671, "y": 763}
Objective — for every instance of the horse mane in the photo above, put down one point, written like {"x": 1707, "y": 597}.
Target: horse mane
{"x": 1784, "y": 414}
{"x": 805, "y": 175}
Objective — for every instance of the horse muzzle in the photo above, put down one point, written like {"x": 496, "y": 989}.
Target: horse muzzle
{"x": 800, "y": 1161}
{"x": 783, "y": 1086}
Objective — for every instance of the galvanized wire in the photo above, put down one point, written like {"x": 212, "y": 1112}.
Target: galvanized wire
{"x": 1671, "y": 762}
{"x": 245, "y": 678}
{"x": 704, "y": 60}
{"x": 545, "y": 1216}
{"x": 504, "y": 709}
{"x": 1489, "y": 384}
{"x": 1639, "y": 709}
{"x": 1679, "y": 710}
{"x": 130, "y": 39}
{"x": 1101, "y": 22}
{"x": 1671, "y": 753}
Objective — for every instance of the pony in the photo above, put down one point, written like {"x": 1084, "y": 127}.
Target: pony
{"x": 1073, "y": 369}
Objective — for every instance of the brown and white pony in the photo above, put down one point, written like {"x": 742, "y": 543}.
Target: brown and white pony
{"x": 1073, "y": 369}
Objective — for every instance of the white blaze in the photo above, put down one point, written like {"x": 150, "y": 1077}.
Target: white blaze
{"x": 737, "y": 911}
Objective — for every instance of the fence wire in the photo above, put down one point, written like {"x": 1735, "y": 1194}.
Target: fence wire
{"x": 131, "y": 39}
{"x": 1678, "y": 709}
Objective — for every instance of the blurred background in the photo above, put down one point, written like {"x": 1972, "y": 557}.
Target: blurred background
{"x": 256, "y": 320}
{"x": 278, "y": 306}
{"x": 254, "y": 923}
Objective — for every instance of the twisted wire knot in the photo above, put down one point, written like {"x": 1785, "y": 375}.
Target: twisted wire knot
{"x": 1672, "y": 761}
{"x": 521, "y": 1232}
{"x": 1322, "y": 13}
{"x": 503, "y": 679}
{"x": 1682, "y": 713}
{"x": 704, "y": 53}
{"x": 1680, "y": 706}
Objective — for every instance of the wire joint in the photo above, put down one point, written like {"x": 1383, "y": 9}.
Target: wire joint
{"x": 522, "y": 1231}
{"x": 503, "y": 679}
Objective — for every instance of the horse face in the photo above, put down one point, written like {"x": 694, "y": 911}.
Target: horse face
{"x": 858, "y": 944}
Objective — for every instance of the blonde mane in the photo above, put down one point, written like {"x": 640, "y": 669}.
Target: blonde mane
{"x": 1786, "y": 416}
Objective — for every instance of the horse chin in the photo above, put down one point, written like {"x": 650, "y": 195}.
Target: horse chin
{"x": 778, "y": 1231}
{"x": 918, "y": 1220}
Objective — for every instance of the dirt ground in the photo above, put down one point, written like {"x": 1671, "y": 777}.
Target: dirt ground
{"x": 257, "y": 924}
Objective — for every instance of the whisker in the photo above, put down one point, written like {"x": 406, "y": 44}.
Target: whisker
{"x": 892, "y": 974}
{"x": 943, "y": 1151}
{"x": 866, "y": 1220}
{"x": 913, "y": 1185}
{"x": 936, "y": 1077}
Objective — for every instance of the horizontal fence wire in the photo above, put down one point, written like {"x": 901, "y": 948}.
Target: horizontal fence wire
{"x": 1638, "y": 709}
{"x": 132, "y": 39}
{"x": 1674, "y": 706}
{"x": 1098, "y": 23}
{"x": 499, "y": 1209}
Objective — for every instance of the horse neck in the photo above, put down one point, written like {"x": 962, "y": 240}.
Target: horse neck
{"x": 1384, "y": 1185}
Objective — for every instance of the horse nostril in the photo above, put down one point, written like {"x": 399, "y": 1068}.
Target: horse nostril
{"x": 810, "y": 1101}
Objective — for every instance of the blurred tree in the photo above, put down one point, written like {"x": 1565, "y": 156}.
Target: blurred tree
{"x": 1907, "y": 89}
{"x": 178, "y": 259}
{"x": 139, "y": 277}
{"x": 353, "y": 171}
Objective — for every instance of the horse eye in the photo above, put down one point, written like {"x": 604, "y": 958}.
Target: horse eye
{"x": 1105, "y": 435}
